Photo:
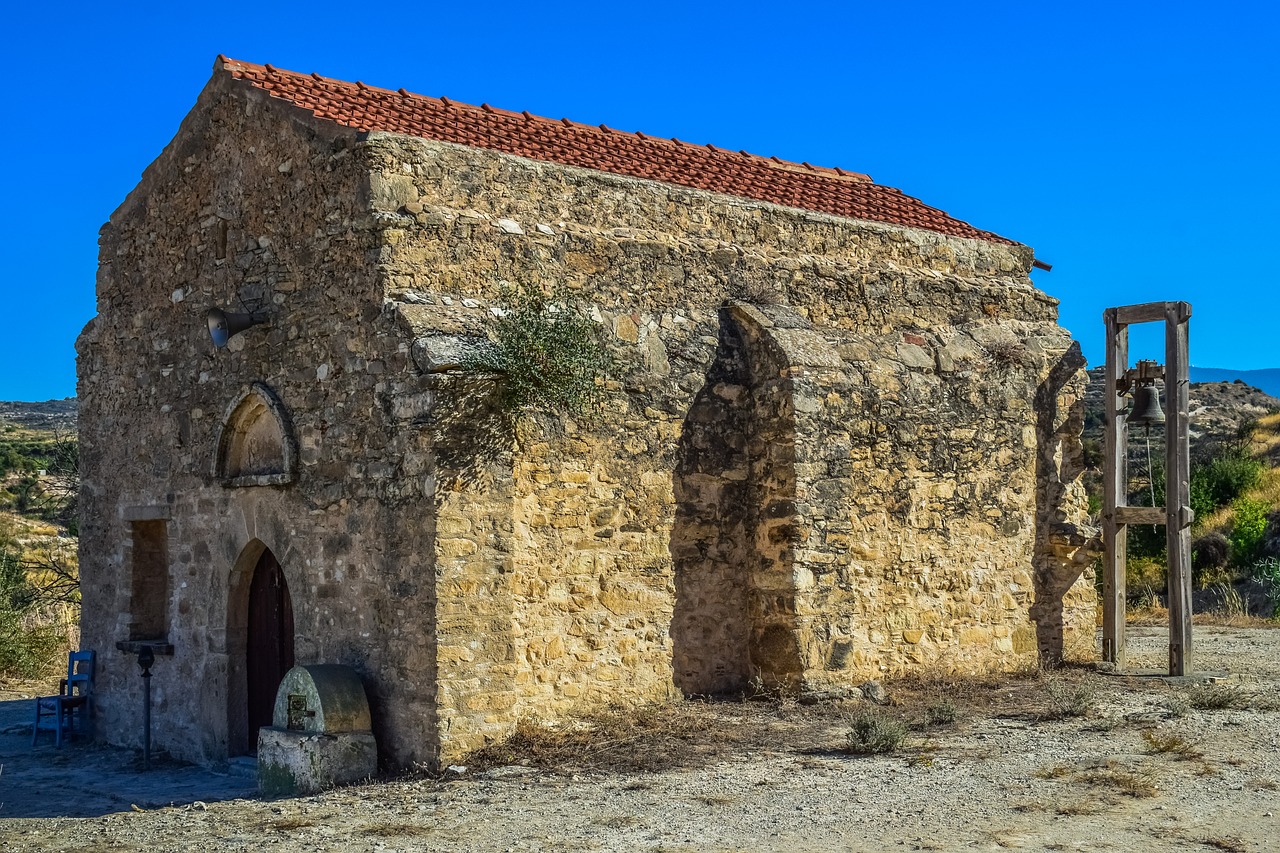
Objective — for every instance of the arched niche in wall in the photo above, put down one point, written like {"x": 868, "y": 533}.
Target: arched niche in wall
{"x": 256, "y": 446}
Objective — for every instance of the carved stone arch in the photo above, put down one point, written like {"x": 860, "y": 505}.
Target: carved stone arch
{"x": 743, "y": 488}
{"x": 256, "y": 445}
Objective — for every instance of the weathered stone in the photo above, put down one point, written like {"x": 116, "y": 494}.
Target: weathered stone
{"x": 437, "y": 353}
{"x": 874, "y": 691}
{"x": 292, "y": 764}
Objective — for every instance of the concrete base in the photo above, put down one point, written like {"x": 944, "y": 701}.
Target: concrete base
{"x": 291, "y": 763}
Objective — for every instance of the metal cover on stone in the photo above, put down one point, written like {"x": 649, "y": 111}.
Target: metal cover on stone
{"x": 324, "y": 698}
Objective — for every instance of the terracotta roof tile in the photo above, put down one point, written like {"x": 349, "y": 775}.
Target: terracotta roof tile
{"x": 816, "y": 188}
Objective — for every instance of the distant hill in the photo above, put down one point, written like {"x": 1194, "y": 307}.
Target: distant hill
{"x": 1217, "y": 409}
{"x": 59, "y": 415}
{"x": 1267, "y": 380}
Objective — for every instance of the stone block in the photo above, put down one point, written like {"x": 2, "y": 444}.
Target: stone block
{"x": 294, "y": 763}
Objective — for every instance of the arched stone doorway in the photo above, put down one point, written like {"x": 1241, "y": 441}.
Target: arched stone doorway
{"x": 260, "y": 645}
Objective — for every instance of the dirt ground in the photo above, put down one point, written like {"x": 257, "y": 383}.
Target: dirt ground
{"x": 1073, "y": 761}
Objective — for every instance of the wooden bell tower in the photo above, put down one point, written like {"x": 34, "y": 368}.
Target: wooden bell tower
{"x": 1176, "y": 515}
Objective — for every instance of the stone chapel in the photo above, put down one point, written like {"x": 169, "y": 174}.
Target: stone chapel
{"x": 840, "y": 439}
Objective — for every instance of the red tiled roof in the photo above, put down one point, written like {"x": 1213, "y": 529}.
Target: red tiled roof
{"x": 769, "y": 179}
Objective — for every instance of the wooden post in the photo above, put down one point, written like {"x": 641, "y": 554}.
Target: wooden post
{"x": 1115, "y": 483}
{"x": 1177, "y": 487}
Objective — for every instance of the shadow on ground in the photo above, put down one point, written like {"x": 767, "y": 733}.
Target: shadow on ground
{"x": 89, "y": 780}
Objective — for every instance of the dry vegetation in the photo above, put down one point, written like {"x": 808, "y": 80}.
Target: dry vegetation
{"x": 695, "y": 733}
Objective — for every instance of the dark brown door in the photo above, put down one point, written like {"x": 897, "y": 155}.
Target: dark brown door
{"x": 269, "y": 652}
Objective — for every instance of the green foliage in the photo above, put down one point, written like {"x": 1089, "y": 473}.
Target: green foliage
{"x": 1146, "y": 578}
{"x": 27, "y": 648}
{"x": 1247, "y": 529}
{"x": 1147, "y": 540}
{"x": 873, "y": 731}
{"x": 547, "y": 355}
{"x": 1222, "y": 478}
{"x": 26, "y": 455}
{"x": 1091, "y": 452}
{"x": 1267, "y": 572}
{"x": 51, "y": 497}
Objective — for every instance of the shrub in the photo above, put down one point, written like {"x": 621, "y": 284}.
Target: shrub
{"x": 546, "y": 353}
{"x": 1217, "y": 697}
{"x": 1007, "y": 354}
{"x": 874, "y": 731}
{"x": 1145, "y": 578}
{"x": 1247, "y": 529}
{"x": 27, "y": 649}
{"x": 1270, "y": 545}
{"x": 1170, "y": 743}
{"x": 1267, "y": 572}
{"x": 1222, "y": 478}
{"x": 1064, "y": 699}
{"x": 940, "y": 713}
{"x": 1209, "y": 554}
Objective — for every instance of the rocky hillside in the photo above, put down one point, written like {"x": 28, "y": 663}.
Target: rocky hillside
{"x": 1218, "y": 409}
{"x": 49, "y": 416}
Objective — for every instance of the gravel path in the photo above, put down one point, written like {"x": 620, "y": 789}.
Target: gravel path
{"x": 992, "y": 781}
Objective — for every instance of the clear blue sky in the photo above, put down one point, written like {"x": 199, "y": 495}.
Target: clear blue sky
{"x": 1135, "y": 145}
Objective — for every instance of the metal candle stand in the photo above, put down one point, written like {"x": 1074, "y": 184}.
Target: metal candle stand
{"x": 146, "y": 659}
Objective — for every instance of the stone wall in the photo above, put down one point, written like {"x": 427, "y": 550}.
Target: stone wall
{"x": 830, "y": 450}
{"x": 254, "y": 206}
{"x": 821, "y": 460}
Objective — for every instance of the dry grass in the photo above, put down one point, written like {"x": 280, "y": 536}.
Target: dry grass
{"x": 1054, "y": 771}
{"x": 1139, "y": 782}
{"x": 1233, "y": 621}
{"x": 1066, "y": 697}
{"x": 930, "y": 697}
{"x": 661, "y": 737}
{"x": 1265, "y": 439}
{"x": 711, "y": 800}
{"x": 1171, "y": 744}
{"x": 1218, "y": 697}
{"x": 1230, "y": 843}
{"x": 1148, "y": 615}
{"x": 285, "y": 824}
{"x": 692, "y": 733}
{"x": 1151, "y": 615}
{"x": 396, "y": 830}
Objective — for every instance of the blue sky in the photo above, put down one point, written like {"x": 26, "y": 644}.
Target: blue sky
{"x": 1135, "y": 145}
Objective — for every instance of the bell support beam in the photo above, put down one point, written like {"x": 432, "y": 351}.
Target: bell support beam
{"x": 1177, "y": 488}
{"x": 1114, "y": 492}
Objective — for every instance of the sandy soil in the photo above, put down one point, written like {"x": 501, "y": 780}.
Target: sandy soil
{"x": 1140, "y": 771}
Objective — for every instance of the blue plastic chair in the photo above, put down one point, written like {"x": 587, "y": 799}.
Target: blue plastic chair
{"x": 75, "y": 694}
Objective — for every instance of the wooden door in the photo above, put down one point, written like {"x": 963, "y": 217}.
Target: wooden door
{"x": 269, "y": 650}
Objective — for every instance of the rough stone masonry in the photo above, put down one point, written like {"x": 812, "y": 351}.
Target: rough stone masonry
{"x": 833, "y": 448}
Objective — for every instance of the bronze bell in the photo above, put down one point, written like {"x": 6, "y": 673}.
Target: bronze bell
{"x": 1146, "y": 407}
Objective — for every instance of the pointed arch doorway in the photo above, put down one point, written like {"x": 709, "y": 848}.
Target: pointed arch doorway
{"x": 264, "y": 610}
